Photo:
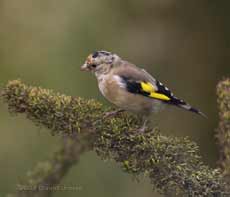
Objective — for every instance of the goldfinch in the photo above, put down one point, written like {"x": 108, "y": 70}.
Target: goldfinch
{"x": 130, "y": 87}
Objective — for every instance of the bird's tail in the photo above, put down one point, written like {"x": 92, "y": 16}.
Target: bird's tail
{"x": 182, "y": 104}
{"x": 192, "y": 109}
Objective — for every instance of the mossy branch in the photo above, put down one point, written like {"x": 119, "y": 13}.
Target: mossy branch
{"x": 172, "y": 164}
{"x": 223, "y": 132}
{"x": 41, "y": 181}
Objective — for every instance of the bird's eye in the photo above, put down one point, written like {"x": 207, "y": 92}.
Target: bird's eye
{"x": 94, "y": 65}
{"x": 95, "y": 54}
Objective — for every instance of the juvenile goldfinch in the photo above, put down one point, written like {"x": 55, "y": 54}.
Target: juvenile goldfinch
{"x": 129, "y": 87}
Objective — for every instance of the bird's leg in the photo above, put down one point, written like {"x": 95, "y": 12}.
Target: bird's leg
{"x": 113, "y": 113}
{"x": 144, "y": 126}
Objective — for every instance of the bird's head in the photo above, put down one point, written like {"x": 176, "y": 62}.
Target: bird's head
{"x": 100, "y": 62}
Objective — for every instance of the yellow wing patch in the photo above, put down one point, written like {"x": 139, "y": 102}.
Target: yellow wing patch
{"x": 148, "y": 87}
{"x": 159, "y": 96}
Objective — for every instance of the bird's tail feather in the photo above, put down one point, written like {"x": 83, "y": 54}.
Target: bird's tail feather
{"x": 184, "y": 105}
{"x": 192, "y": 109}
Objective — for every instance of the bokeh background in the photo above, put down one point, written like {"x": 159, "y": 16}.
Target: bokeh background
{"x": 184, "y": 44}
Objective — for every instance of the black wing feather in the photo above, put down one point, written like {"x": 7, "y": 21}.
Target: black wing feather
{"x": 133, "y": 86}
{"x": 164, "y": 90}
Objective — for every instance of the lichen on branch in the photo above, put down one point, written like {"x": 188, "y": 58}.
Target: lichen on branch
{"x": 223, "y": 132}
{"x": 43, "y": 179}
{"x": 172, "y": 164}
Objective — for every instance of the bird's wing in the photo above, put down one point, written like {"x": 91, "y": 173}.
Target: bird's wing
{"x": 146, "y": 88}
{"x": 138, "y": 81}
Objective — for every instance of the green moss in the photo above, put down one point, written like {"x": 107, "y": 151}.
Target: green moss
{"x": 50, "y": 173}
{"x": 223, "y": 132}
{"x": 172, "y": 164}
{"x": 61, "y": 114}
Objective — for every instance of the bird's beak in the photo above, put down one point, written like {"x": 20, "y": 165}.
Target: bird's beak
{"x": 84, "y": 67}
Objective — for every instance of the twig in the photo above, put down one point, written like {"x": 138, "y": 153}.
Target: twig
{"x": 223, "y": 132}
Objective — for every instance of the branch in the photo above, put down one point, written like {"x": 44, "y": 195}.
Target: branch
{"x": 223, "y": 132}
{"x": 41, "y": 181}
{"x": 172, "y": 164}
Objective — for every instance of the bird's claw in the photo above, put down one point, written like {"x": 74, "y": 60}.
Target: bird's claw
{"x": 142, "y": 129}
{"x": 112, "y": 113}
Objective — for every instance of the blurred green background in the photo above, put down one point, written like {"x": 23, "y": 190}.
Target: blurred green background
{"x": 184, "y": 44}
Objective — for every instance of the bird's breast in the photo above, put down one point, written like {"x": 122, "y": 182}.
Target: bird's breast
{"x": 109, "y": 87}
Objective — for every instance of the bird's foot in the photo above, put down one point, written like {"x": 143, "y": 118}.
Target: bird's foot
{"x": 113, "y": 113}
{"x": 143, "y": 128}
